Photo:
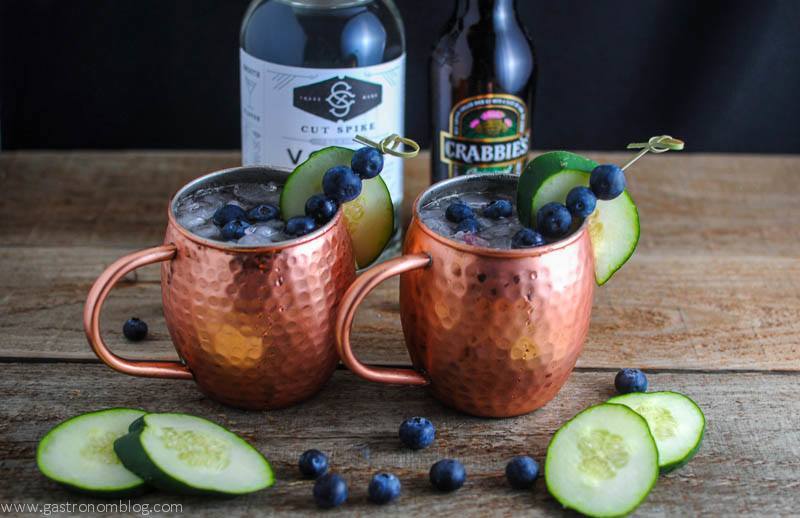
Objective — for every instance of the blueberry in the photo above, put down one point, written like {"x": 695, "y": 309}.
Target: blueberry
{"x": 300, "y": 225}
{"x": 521, "y": 472}
{"x": 526, "y": 238}
{"x": 313, "y": 463}
{"x": 581, "y": 202}
{"x": 228, "y": 213}
{"x": 607, "y": 181}
{"x": 330, "y": 491}
{"x": 134, "y": 329}
{"x": 469, "y": 225}
{"x": 234, "y": 229}
{"x": 322, "y": 208}
{"x": 498, "y": 209}
{"x": 630, "y": 380}
{"x": 367, "y": 162}
{"x": 553, "y": 220}
{"x": 265, "y": 212}
{"x": 341, "y": 184}
{"x": 448, "y": 475}
{"x": 458, "y": 211}
{"x": 417, "y": 433}
{"x": 383, "y": 488}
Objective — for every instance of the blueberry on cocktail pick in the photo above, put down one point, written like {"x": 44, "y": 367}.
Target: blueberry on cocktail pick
{"x": 553, "y": 220}
{"x": 367, "y": 162}
{"x": 607, "y": 181}
{"x": 322, "y": 208}
{"x": 581, "y": 201}
{"x": 341, "y": 184}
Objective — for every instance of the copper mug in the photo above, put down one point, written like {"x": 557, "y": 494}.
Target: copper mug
{"x": 254, "y": 327}
{"x": 490, "y": 332}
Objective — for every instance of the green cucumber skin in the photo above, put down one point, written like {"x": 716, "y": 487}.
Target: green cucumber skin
{"x": 130, "y": 451}
{"x": 121, "y": 493}
{"x": 291, "y": 205}
{"x": 681, "y": 463}
{"x": 548, "y": 164}
{"x": 541, "y": 168}
{"x": 137, "y": 425}
{"x": 548, "y": 460}
{"x": 689, "y": 456}
{"x": 284, "y": 203}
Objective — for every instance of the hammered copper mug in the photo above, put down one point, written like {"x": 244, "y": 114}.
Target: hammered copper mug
{"x": 254, "y": 327}
{"x": 491, "y": 332}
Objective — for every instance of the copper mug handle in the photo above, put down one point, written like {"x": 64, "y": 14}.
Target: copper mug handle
{"x": 94, "y": 303}
{"x": 355, "y": 294}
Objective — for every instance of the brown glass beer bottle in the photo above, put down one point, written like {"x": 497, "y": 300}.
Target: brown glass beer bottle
{"x": 483, "y": 79}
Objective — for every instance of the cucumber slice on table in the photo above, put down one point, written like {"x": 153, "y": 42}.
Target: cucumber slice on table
{"x": 602, "y": 462}
{"x": 676, "y": 422}
{"x": 369, "y": 218}
{"x": 188, "y": 454}
{"x": 614, "y": 225}
{"x": 79, "y": 453}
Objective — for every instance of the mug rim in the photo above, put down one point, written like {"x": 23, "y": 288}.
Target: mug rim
{"x": 221, "y": 245}
{"x": 486, "y": 251}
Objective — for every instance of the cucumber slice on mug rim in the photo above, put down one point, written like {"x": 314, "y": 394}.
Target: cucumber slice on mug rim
{"x": 602, "y": 462}
{"x": 191, "y": 455}
{"x": 614, "y": 224}
{"x": 369, "y": 218}
{"x": 79, "y": 454}
{"x": 676, "y": 422}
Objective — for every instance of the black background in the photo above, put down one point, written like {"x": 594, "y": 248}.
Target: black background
{"x": 724, "y": 75}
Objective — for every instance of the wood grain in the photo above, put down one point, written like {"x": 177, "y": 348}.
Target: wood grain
{"x": 711, "y": 300}
{"x": 715, "y": 283}
{"x": 740, "y": 312}
{"x": 690, "y": 204}
{"x": 748, "y": 463}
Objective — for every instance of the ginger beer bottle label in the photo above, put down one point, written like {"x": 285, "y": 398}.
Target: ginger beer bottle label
{"x": 290, "y": 112}
{"x": 486, "y": 134}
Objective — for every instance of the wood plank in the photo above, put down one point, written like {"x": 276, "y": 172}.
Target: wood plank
{"x": 748, "y": 463}
{"x": 690, "y": 203}
{"x": 660, "y": 311}
{"x": 713, "y": 284}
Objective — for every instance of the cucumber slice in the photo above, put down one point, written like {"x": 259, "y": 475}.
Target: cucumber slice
{"x": 602, "y": 462}
{"x": 614, "y": 225}
{"x": 369, "y": 218}
{"x": 676, "y": 422}
{"x": 538, "y": 171}
{"x": 79, "y": 454}
{"x": 188, "y": 454}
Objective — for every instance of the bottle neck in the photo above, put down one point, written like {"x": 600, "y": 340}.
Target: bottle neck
{"x": 493, "y": 13}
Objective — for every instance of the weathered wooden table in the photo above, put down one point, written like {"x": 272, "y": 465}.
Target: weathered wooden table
{"x": 709, "y": 306}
